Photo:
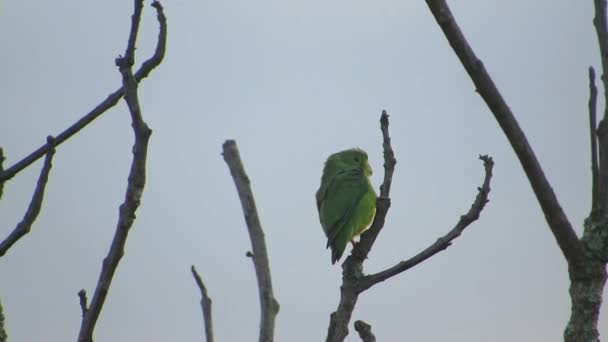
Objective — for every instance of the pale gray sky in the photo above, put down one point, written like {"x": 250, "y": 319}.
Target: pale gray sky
{"x": 293, "y": 82}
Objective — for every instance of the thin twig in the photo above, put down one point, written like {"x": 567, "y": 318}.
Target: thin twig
{"x": 101, "y": 108}
{"x": 593, "y": 138}
{"x": 556, "y": 218}
{"x": 206, "y": 305}
{"x": 268, "y": 304}
{"x": 365, "y": 331}
{"x": 135, "y": 187}
{"x": 443, "y": 242}
{"x": 368, "y": 238}
{"x": 35, "y": 205}
{"x": 82, "y": 297}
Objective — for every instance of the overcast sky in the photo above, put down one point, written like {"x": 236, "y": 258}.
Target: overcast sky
{"x": 292, "y": 82}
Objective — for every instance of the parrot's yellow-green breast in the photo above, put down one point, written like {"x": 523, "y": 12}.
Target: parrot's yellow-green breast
{"x": 346, "y": 200}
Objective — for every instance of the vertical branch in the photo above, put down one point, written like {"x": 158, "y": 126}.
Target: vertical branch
{"x": 593, "y": 138}
{"x": 601, "y": 28}
{"x": 384, "y": 202}
{"x": 35, "y": 205}
{"x": 1, "y": 171}
{"x": 352, "y": 268}
{"x": 206, "y": 305}
{"x": 135, "y": 184}
{"x": 268, "y": 304}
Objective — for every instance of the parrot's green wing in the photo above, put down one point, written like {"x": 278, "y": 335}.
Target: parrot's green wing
{"x": 347, "y": 205}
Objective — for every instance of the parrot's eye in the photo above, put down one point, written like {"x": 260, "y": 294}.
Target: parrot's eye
{"x": 356, "y": 159}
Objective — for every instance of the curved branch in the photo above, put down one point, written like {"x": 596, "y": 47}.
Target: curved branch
{"x": 206, "y": 305}
{"x": 556, "y": 218}
{"x": 443, "y": 242}
{"x": 101, "y": 108}
{"x": 35, "y": 205}
{"x": 268, "y": 304}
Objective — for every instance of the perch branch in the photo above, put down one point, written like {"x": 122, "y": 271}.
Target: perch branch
{"x": 135, "y": 184}
{"x": 205, "y": 305}
{"x": 368, "y": 238}
{"x": 365, "y": 331}
{"x": 443, "y": 242}
{"x": 268, "y": 304}
{"x": 101, "y": 108}
{"x": 352, "y": 268}
{"x": 33, "y": 209}
{"x": 556, "y": 218}
{"x": 593, "y": 136}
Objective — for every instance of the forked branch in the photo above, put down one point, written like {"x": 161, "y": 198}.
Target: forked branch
{"x": 135, "y": 184}
{"x": 109, "y": 102}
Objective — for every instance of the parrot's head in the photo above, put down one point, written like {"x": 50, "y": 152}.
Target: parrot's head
{"x": 350, "y": 159}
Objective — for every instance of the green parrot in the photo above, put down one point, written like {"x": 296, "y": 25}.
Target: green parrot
{"x": 346, "y": 199}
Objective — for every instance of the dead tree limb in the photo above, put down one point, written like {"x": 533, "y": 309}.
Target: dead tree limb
{"x": 206, "y": 305}
{"x": 137, "y": 175}
{"x": 268, "y": 304}
{"x": 588, "y": 256}
{"x": 35, "y": 205}
{"x": 555, "y": 216}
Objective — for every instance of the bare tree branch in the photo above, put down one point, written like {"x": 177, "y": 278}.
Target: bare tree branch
{"x": 352, "y": 268}
{"x": 33, "y": 209}
{"x": 135, "y": 185}
{"x": 593, "y": 136}
{"x": 106, "y": 104}
{"x": 556, "y": 218}
{"x": 443, "y": 242}
{"x": 206, "y": 305}
{"x": 268, "y": 304}
{"x": 365, "y": 331}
